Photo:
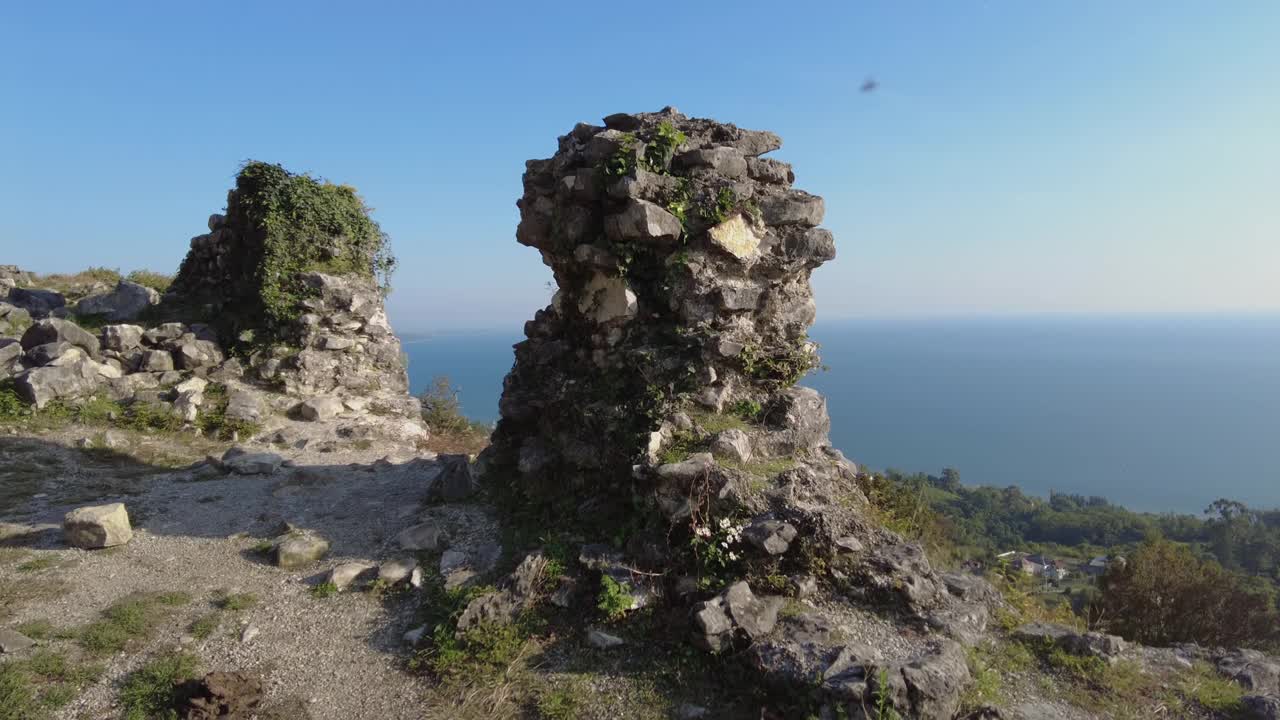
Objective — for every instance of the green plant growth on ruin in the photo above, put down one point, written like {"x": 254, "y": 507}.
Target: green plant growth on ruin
{"x": 614, "y": 599}
{"x": 778, "y": 367}
{"x": 721, "y": 207}
{"x": 659, "y": 150}
{"x": 656, "y": 158}
{"x": 213, "y": 420}
{"x": 294, "y": 223}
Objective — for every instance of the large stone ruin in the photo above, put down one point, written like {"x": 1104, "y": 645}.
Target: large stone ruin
{"x": 333, "y": 339}
{"x": 293, "y": 328}
{"x": 656, "y": 398}
{"x": 683, "y": 275}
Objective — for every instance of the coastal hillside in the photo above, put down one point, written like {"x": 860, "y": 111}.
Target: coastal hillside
{"x": 218, "y": 498}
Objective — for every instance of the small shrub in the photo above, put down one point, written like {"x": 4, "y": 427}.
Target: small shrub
{"x": 559, "y": 704}
{"x": 721, "y": 207}
{"x": 883, "y": 699}
{"x": 236, "y": 602}
{"x": 12, "y": 408}
{"x": 324, "y": 590}
{"x": 714, "y": 547}
{"x": 441, "y": 410}
{"x": 151, "y": 690}
{"x": 154, "y": 280}
{"x": 614, "y": 599}
{"x": 205, "y": 626}
{"x": 1210, "y": 690}
{"x": 748, "y": 410}
{"x": 659, "y": 150}
{"x": 986, "y": 686}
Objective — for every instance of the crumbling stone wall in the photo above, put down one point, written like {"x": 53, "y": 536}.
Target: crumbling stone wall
{"x": 291, "y": 272}
{"x": 654, "y": 405}
{"x": 682, "y": 259}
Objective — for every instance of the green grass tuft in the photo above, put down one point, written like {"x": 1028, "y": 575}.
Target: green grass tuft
{"x": 151, "y": 690}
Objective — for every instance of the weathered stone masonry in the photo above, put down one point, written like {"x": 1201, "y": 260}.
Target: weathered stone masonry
{"x": 682, "y": 260}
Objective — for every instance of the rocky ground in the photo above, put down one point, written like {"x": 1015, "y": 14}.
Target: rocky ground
{"x": 195, "y": 533}
{"x": 201, "y": 536}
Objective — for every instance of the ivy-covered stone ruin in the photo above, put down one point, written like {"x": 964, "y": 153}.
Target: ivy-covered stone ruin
{"x": 294, "y": 275}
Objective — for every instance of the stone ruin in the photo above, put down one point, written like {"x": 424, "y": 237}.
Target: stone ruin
{"x": 657, "y": 395}
{"x": 336, "y": 343}
{"x": 332, "y": 357}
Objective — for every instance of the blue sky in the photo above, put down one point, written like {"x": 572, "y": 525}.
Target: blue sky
{"x": 1018, "y": 157}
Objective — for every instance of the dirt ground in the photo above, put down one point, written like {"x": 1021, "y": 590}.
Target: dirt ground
{"x": 195, "y": 532}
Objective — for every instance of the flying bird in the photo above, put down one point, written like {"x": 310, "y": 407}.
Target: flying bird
{"x": 869, "y": 85}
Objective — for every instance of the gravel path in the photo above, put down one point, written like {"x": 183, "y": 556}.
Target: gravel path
{"x": 339, "y": 657}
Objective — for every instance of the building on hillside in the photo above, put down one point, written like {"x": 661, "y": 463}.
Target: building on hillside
{"x": 1029, "y": 566}
{"x": 1097, "y": 566}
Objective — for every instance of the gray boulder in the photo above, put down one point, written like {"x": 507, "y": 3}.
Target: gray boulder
{"x": 643, "y": 220}
{"x": 426, "y": 536}
{"x": 733, "y": 444}
{"x": 456, "y": 481}
{"x": 193, "y": 354}
{"x": 244, "y": 406}
{"x": 772, "y": 536}
{"x": 397, "y": 569}
{"x": 342, "y": 576}
{"x": 39, "y": 303}
{"x": 300, "y": 549}
{"x": 53, "y": 330}
{"x": 12, "y": 641}
{"x": 735, "y": 614}
{"x": 1095, "y": 644}
{"x": 121, "y": 337}
{"x": 164, "y": 332}
{"x": 125, "y": 302}
{"x": 40, "y": 385}
{"x": 10, "y": 354}
{"x": 155, "y": 361}
{"x": 794, "y": 207}
{"x": 47, "y": 353}
{"x": 1253, "y": 670}
{"x": 97, "y": 526}
{"x": 800, "y": 421}
{"x": 1261, "y": 707}
{"x": 726, "y": 161}
{"x": 602, "y": 640}
{"x": 319, "y": 409}
{"x": 515, "y": 592}
{"x": 243, "y": 462}
{"x": 13, "y": 319}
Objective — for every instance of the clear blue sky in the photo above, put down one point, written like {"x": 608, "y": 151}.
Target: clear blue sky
{"x": 1018, "y": 157}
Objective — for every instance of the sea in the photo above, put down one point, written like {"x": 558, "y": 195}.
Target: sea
{"x": 1155, "y": 413}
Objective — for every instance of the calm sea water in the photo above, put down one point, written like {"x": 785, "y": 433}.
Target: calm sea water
{"x": 1160, "y": 414}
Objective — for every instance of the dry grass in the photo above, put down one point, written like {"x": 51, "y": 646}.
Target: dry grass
{"x": 38, "y": 589}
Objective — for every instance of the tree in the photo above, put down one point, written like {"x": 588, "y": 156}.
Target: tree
{"x": 1164, "y": 594}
